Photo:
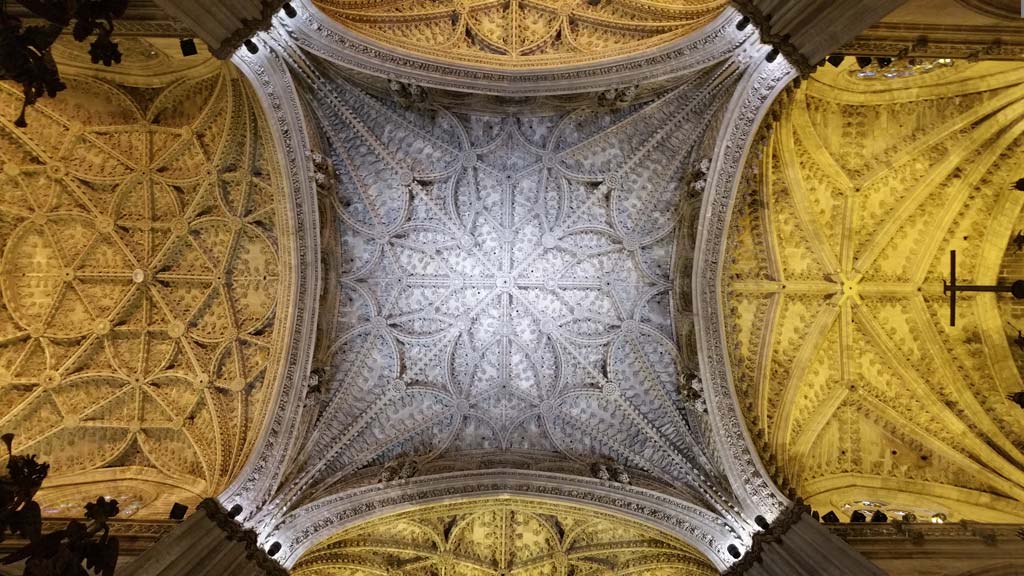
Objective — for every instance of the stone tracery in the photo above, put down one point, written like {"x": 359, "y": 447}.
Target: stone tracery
{"x": 140, "y": 278}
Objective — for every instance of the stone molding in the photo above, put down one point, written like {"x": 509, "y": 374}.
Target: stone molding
{"x": 310, "y": 524}
{"x": 260, "y": 476}
{"x": 746, "y": 473}
{"x": 322, "y": 36}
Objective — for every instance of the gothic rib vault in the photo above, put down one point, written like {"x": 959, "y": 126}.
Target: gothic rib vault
{"x": 519, "y": 34}
{"x": 505, "y": 536}
{"x": 860, "y": 394}
{"x": 502, "y": 294}
{"x": 141, "y": 275}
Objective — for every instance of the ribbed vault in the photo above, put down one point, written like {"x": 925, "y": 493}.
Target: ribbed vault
{"x": 518, "y": 34}
{"x": 141, "y": 277}
{"x": 502, "y": 536}
{"x": 854, "y": 385}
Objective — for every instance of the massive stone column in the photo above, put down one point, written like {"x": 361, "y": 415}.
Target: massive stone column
{"x": 209, "y": 543}
{"x": 796, "y": 545}
{"x": 806, "y": 31}
{"x": 223, "y": 24}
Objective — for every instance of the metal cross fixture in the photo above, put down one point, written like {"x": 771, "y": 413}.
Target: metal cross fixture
{"x": 952, "y": 288}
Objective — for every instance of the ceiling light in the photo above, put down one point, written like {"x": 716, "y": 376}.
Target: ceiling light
{"x": 938, "y": 518}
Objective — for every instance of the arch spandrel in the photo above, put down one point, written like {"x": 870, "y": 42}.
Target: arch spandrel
{"x": 849, "y": 376}
{"x": 144, "y": 275}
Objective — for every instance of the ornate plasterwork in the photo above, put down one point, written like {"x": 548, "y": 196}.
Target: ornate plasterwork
{"x": 141, "y": 278}
{"x": 716, "y": 41}
{"x": 522, "y": 34}
{"x": 502, "y": 536}
{"x": 849, "y": 374}
{"x": 506, "y": 284}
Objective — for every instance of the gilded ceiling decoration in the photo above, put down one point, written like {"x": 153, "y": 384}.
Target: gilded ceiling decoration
{"x": 502, "y": 537}
{"x": 855, "y": 387}
{"x": 505, "y": 285}
{"x": 140, "y": 278}
{"x": 515, "y": 34}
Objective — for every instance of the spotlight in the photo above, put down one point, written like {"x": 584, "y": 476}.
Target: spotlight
{"x": 884, "y": 62}
{"x": 772, "y": 56}
{"x": 1018, "y": 185}
{"x": 743, "y": 23}
{"x": 178, "y": 511}
{"x": 836, "y": 60}
{"x": 274, "y": 549}
{"x": 830, "y": 518}
{"x": 879, "y": 517}
{"x": 734, "y": 551}
{"x": 761, "y": 522}
{"x": 251, "y": 46}
{"x": 863, "y": 61}
{"x": 188, "y": 47}
{"x": 235, "y": 511}
{"x": 289, "y": 10}
{"x": 857, "y": 516}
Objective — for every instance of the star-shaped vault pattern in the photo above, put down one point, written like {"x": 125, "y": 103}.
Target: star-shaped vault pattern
{"x": 505, "y": 285}
{"x": 140, "y": 276}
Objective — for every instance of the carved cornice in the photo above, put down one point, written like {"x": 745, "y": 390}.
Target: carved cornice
{"x": 324, "y": 37}
{"x": 235, "y": 532}
{"x": 939, "y": 41}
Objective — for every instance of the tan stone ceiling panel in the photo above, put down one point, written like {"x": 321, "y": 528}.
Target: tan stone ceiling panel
{"x": 848, "y": 372}
{"x": 519, "y": 34}
{"x": 502, "y": 537}
{"x": 140, "y": 275}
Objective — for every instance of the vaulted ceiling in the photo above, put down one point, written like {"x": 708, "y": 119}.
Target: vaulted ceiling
{"x": 502, "y": 536}
{"x": 856, "y": 388}
{"x": 523, "y": 33}
{"x": 503, "y": 284}
{"x": 141, "y": 278}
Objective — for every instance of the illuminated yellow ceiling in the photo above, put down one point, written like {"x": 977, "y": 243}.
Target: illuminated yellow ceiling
{"x": 140, "y": 276}
{"x": 501, "y": 537}
{"x": 853, "y": 384}
{"x": 523, "y": 33}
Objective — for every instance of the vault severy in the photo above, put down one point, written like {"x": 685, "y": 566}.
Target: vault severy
{"x": 502, "y": 536}
{"x": 523, "y": 34}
